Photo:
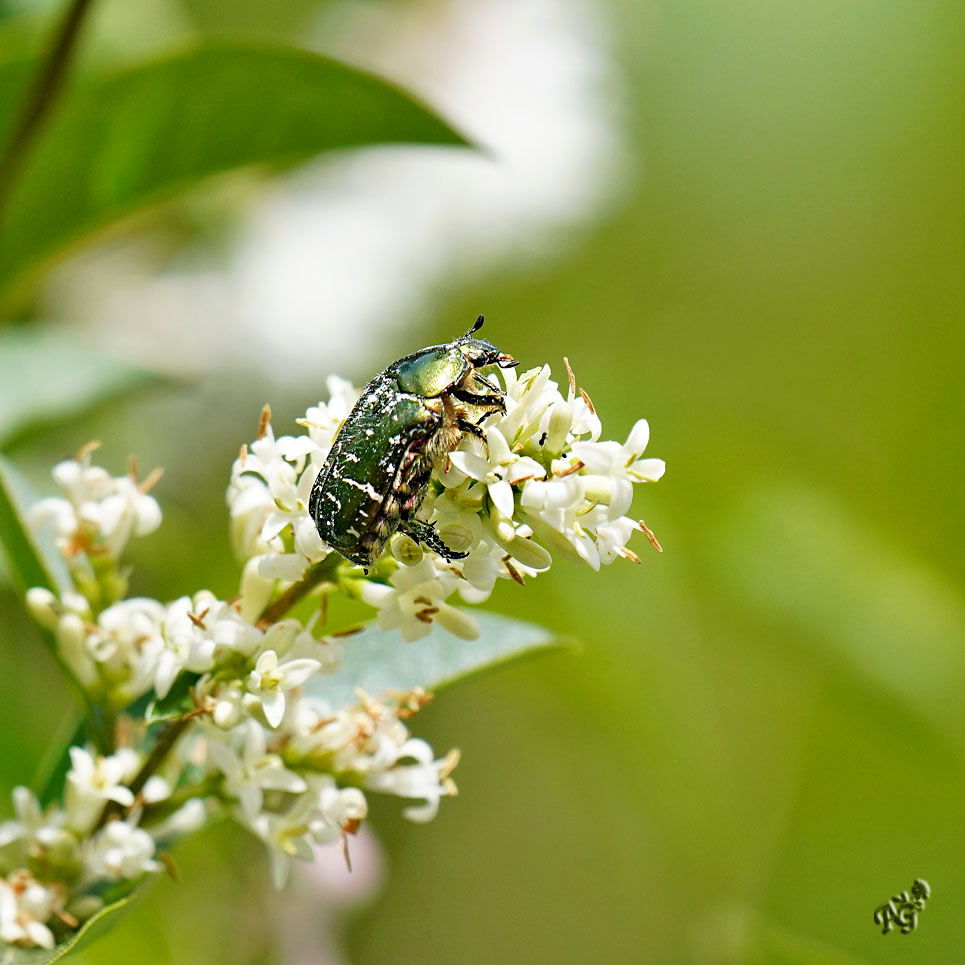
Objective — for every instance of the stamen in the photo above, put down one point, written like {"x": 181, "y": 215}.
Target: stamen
{"x": 152, "y": 480}
{"x": 576, "y": 467}
{"x": 649, "y": 534}
{"x": 264, "y": 421}
{"x": 571, "y": 376}
{"x": 513, "y": 572}
{"x": 87, "y": 448}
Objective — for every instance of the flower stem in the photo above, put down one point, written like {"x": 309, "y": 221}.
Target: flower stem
{"x": 45, "y": 87}
{"x": 314, "y": 575}
{"x": 162, "y": 747}
{"x": 165, "y": 742}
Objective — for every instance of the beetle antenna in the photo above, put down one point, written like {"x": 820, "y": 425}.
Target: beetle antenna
{"x": 478, "y": 324}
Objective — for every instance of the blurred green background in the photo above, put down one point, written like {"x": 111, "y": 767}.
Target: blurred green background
{"x": 763, "y": 736}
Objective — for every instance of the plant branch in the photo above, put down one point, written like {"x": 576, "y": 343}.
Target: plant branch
{"x": 314, "y": 575}
{"x": 165, "y": 742}
{"x": 39, "y": 99}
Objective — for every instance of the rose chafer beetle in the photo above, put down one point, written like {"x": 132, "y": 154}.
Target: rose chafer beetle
{"x": 376, "y": 475}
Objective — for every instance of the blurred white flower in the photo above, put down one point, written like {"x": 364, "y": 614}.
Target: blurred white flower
{"x": 425, "y": 778}
{"x": 252, "y": 772}
{"x": 25, "y": 906}
{"x": 100, "y": 513}
{"x": 120, "y": 851}
{"x": 93, "y": 781}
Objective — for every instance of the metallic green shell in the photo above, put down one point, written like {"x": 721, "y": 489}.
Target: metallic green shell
{"x": 362, "y": 465}
{"x": 430, "y": 372}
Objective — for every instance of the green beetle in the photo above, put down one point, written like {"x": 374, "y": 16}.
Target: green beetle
{"x": 377, "y": 472}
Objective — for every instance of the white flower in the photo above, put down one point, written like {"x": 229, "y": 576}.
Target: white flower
{"x": 248, "y": 775}
{"x": 371, "y": 744}
{"x": 120, "y": 851}
{"x": 416, "y": 599}
{"x": 617, "y": 467}
{"x": 286, "y": 835}
{"x": 198, "y": 634}
{"x": 92, "y": 782}
{"x": 271, "y": 482}
{"x": 529, "y": 396}
{"x": 127, "y": 645}
{"x": 270, "y": 679}
{"x": 228, "y": 709}
{"x": 99, "y": 510}
{"x": 324, "y": 813}
{"x": 424, "y": 778}
{"x": 323, "y": 420}
{"x": 499, "y": 469}
{"x": 30, "y": 820}
{"x": 25, "y": 905}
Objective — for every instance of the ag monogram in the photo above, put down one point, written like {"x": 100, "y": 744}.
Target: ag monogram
{"x": 903, "y": 909}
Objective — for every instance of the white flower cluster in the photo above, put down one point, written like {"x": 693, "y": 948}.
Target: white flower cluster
{"x": 288, "y": 766}
{"x": 543, "y": 482}
{"x": 139, "y": 645}
{"x": 271, "y": 481}
{"x": 303, "y": 783}
{"x": 98, "y": 513}
{"x": 229, "y": 677}
{"x": 42, "y": 850}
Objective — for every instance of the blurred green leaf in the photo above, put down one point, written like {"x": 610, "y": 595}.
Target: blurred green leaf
{"x": 52, "y": 767}
{"x": 47, "y": 376}
{"x": 31, "y": 564}
{"x": 92, "y": 929}
{"x": 133, "y": 139}
{"x": 379, "y": 660}
{"x": 896, "y": 631}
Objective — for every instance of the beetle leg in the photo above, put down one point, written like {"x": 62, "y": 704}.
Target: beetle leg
{"x": 426, "y": 534}
{"x": 495, "y": 389}
{"x": 472, "y": 428}
{"x": 496, "y": 401}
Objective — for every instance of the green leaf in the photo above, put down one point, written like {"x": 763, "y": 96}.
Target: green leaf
{"x": 31, "y": 562}
{"x": 47, "y": 376}
{"x": 380, "y": 660}
{"x": 176, "y": 703}
{"x": 133, "y": 139}
{"x": 92, "y": 930}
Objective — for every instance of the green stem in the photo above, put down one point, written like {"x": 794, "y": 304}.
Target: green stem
{"x": 162, "y": 747}
{"x": 165, "y": 742}
{"x": 314, "y": 575}
{"x": 46, "y": 85}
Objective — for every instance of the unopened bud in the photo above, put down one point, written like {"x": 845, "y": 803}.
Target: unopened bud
{"x": 405, "y": 549}
{"x": 559, "y": 424}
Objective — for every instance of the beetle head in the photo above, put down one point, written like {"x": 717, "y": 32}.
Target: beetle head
{"x": 481, "y": 353}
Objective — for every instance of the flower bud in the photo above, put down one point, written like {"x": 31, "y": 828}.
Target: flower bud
{"x": 557, "y": 426}
{"x": 405, "y": 549}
